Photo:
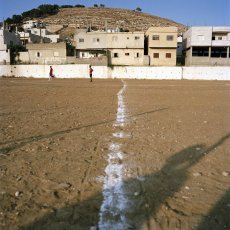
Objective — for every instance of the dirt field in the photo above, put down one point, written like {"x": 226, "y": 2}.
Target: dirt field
{"x": 54, "y": 145}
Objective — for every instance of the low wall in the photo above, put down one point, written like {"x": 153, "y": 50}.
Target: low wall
{"x": 206, "y": 73}
{"x": 142, "y": 72}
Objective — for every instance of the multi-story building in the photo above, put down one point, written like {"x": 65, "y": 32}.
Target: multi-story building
{"x": 121, "y": 48}
{"x": 162, "y": 45}
{"x": 207, "y": 45}
{"x": 7, "y": 40}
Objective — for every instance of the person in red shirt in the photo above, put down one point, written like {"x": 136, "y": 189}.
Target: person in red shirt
{"x": 51, "y": 75}
{"x": 91, "y": 73}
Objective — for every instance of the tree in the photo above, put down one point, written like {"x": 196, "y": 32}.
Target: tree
{"x": 48, "y": 9}
{"x": 80, "y": 6}
{"x": 95, "y": 5}
{"x": 66, "y": 6}
{"x": 138, "y": 9}
{"x": 14, "y": 52}
{"x": 102, "y": 5}
{"x": 17, "y": 19}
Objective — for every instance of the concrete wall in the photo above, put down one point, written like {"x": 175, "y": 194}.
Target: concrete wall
{"x": 206, "y": 73}
{"x": 4, "y": 57}
{"x": 141, "y": 72}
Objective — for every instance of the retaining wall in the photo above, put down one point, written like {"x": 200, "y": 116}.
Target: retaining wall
{"x": 142, "y": 72}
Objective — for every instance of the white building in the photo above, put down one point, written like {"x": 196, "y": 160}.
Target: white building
{"x": 45, "y": 34}
{"x": 7, "y": 39}
{"x": 27, "y": 37}
{"x": 31, "y": 24}
{"x": 207, "y": 45}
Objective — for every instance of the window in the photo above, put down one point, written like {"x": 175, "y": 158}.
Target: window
{"x": 155, "y": 37}
{"x": 126, "y": 54}
{"x": 219, "y": 52}
{"x": 200, "y": 37}
{"x": 168, "y": 55}
{"x": 137, "y": 55}
{"x": 38, "y": 54}
{"x": 156, "y": 55}
{"x": 200, "y": 51}
{"x": 219, "y": 38}
{"x": 169, "y": 37}
{"x": 137, "y": 37}
{"x": 96, "y": 39}
{"x": 115, "y": 55}
{"x": 81, "y": 39}
{"x": 127, "y": 37}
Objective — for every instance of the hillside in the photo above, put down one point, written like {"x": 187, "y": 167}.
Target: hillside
{"x": 72, "y": 18}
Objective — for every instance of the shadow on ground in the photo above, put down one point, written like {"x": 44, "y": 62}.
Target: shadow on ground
{"x": 16, "y": 144}
{"x": 157, "y": 187}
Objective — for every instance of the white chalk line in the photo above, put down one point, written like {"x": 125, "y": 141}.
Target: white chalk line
{"x": 116, "y": 202}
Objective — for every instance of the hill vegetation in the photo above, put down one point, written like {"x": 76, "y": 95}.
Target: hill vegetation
{"x": 68, "y": 18}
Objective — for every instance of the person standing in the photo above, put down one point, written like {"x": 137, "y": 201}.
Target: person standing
{"x": 51, "y": 73}
{"x": 91, "y": 73}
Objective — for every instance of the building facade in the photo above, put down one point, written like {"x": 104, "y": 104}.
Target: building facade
{"x": 207, "y": 46}
{"x": 47, "y": 53}
{"x": 7, "y": 40}
{"x": 162, "y": 45}
{"x": 120, "y": 48}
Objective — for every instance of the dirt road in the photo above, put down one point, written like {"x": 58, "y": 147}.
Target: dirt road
{"x": 170, "y": 140}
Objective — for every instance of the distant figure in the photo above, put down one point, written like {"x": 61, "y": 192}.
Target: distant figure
{"x": 51, "y": 75}
{"x": 91, "y": 73}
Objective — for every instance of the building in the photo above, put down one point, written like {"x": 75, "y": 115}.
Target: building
{"x": 27, "y": 37}
{"x": 207, "y": 45}
{"x": 47, "y": 53}
{"x": 120, "y": 48}
{"x": 162, "y": 45}
{"x": 32, "y": 24}
{"x": 7, "y": 41}
{"x": 46, "y": 35}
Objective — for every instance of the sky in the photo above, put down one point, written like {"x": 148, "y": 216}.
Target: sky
{"x": 187, "y": 12}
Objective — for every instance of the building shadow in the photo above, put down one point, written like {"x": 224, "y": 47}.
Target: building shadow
{"x": 219, "y": 217}
{"x": 153, "y": 191}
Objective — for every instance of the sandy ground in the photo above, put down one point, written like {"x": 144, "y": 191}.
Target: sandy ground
{"x": 54, "y": 145}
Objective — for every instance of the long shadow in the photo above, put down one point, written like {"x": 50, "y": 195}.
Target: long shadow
{"x": 34, "y": 111}
{"x": 219, "y": 216}
{"x": 154, "y": 190}
{"x": 15, "y": 144}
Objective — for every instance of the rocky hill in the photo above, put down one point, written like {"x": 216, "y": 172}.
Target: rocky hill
{"x": 68, "y": 19}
